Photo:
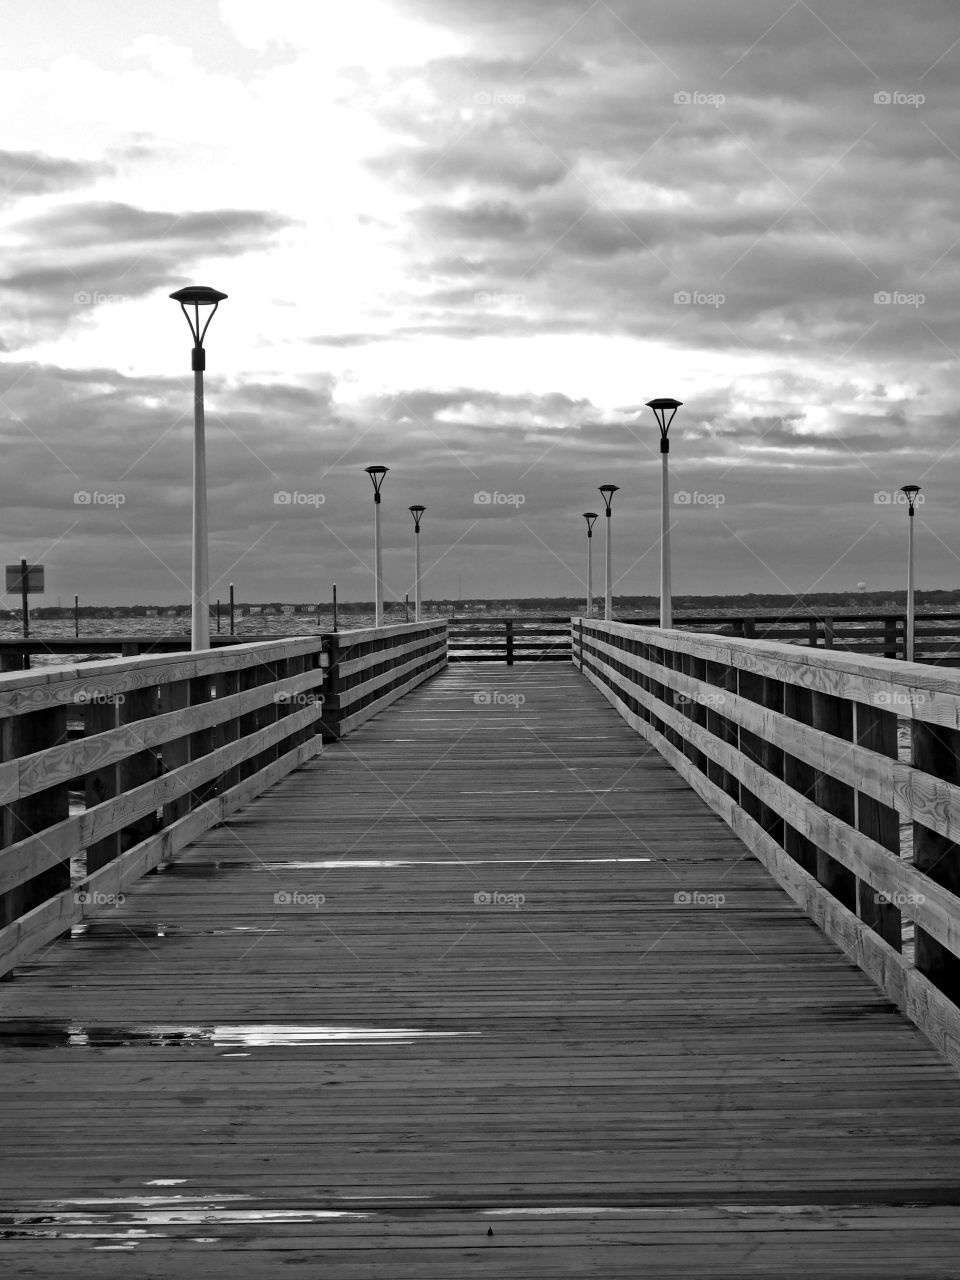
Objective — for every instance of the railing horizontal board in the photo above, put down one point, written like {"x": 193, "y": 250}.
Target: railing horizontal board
{"x": 51, "y": 918}
{"x": 27, "y": 691}
{"x": 920, "y": 797}
{"x": 27, "y": 775}
{"x": 66, "y": 839}
{"x": 377, "y": 657}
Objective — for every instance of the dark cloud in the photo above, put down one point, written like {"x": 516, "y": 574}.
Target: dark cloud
{"x": 31, "y": 173}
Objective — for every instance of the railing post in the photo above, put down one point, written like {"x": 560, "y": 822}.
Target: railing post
{"x": 333, "y": 686}
{"x": 828, "y": 633}
{"x": 890, "y": 645}
{"x": 509, "y": 626}
{"x": 936, "y": 750}
{"x": 876, "y": 730}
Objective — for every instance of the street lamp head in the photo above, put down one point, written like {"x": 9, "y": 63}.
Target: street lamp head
{"x": 197, "y": 296}
{"x": 910, "y": 492}
{"x": 661, "y": 408}
{"x": 607, "y": 491}
{"x": 416, "y": 511}
{"x": 376, "y": 474}
{"x": 591, "y": 519}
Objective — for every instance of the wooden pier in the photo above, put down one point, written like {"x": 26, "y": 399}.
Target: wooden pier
{"x": 485, "y": 988}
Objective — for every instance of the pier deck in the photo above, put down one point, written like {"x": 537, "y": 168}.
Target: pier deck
{"x": 579, "y": 1076}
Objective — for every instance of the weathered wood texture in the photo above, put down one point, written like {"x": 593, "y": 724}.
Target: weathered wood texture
{"x": 829, "y": 770}
{"x": 655, "y": 1065}
{"x": 160, "y": 739}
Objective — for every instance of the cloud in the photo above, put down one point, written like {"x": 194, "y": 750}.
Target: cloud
{"x": 31, "y": 173}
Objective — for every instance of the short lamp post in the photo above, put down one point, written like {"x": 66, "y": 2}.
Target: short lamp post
{"x": 376, "y": 474}
{"x": 606, "y": 492}
{"x": 910, "y": 492}
{"x": 660, "y": 410}
{"x": 198, "y": 296}
{"x": 591, "y": 519}
{"x": 416, "y": 511}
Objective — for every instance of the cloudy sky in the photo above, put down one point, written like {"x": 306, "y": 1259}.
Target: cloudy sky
{"x": 468, "y": 239}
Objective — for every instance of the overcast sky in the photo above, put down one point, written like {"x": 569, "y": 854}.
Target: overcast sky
{"x": 468, "y": 239}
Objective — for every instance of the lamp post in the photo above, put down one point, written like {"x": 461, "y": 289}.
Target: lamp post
{"x": 660, "y": 409}
{"x": 910, "y": 492}
{"x": 417, "y": 512}
{"x": 591, "y": 519}
{"x": 198, "y": 296}
{"x": 606, "y": 492}
{"x": 376, "y": 474}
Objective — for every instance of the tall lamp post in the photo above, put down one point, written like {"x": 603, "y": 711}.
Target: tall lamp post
{"x": 376, "y": 474}
{"x": 910, "y": 492}
{"x": 660, "y": 410}
{"x": 591, "y": 519}
{"x": 198, "y": 296}
{"x": 606, "y": 492}
{"x": 417, "y": 512}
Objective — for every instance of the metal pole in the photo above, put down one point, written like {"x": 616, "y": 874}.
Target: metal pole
{"x": 589, "y": 573}
{"x": 666, "y": 604}
{"x": 378, "y": 619}
{"x": 406, "y": 607}
{"x": 23, "y": 599}
{"x": 232, "y": 628}
{"x": 200, "y": 611}
{"x": 218, "y": 617}
{"x": 76, "y": 616}
{"x": 608, "y": 601}
{"x": 334, "y": 606}
{"x": 910, "y": 604}
{"x": 417, "y": 603}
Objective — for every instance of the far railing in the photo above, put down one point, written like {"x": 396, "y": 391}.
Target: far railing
{"x": 496, "y": 638}
{"x": 370, "y": 668}
{"x": 839, "y": 772}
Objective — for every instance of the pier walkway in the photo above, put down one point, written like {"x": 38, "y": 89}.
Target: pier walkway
{"x": 484, "y": 990}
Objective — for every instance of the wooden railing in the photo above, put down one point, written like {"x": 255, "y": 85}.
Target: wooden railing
{"x": 510, "y": 639}
{"x": 370, "y": 668}
{"x": 798, "y": 752}
{"x": 108, "y": 768}
{"x": 169, "y": 746}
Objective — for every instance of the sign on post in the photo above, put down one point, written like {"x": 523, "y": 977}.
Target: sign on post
{"x": 28, "y": 580}
{"x": 34, "y": 579}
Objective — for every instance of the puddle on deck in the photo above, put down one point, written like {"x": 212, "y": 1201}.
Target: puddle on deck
{"x": 328, "y": 864}
{"x": 25, "y": 1033}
